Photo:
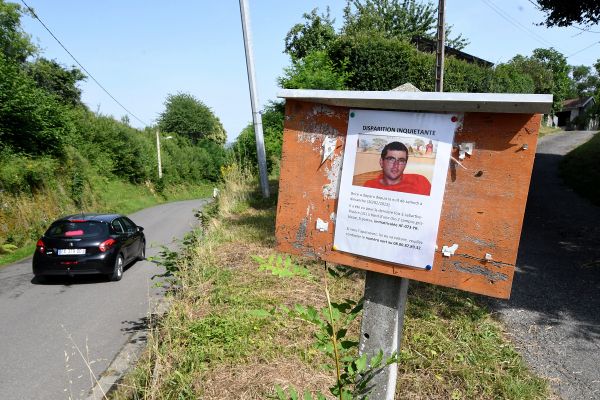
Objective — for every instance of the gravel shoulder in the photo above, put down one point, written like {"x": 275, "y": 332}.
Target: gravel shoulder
{"x": 553, "y": 315}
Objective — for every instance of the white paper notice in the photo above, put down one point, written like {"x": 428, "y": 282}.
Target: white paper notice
{"x": 392, "y": 185}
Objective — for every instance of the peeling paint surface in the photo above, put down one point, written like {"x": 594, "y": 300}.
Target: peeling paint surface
{"x": 479, "y": 270}
{"x": 323, "y": 109}
{"x": 334, "y": 175}
{"x": 301, "y": 232}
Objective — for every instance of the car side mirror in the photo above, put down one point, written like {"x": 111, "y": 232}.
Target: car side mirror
{"x": 140, "y": 228}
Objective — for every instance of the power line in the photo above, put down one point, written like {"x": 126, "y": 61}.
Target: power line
{"x": 577, "y": 52}
{"x": 535, "y": 4}
{"x": 516, "y": 23}
{"x": 584, "y": 30}
{"x": 78, "y": 63}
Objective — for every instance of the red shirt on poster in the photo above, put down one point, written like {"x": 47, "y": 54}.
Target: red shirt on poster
{"x": 410, "y": 183}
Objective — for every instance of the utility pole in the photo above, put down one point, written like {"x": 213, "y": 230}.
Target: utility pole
{"x": 158, "y": 154}
{"x": 439, "y": 56}
{"x": 256, "y": 117}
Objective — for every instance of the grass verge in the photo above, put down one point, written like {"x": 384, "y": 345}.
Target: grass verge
{"x": 546, "y": 130}
{"x": 225, "y": 336}
{"x": 580, "y": 169}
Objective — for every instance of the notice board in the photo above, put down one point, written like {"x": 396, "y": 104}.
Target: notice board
{"x": 483, "y": 204}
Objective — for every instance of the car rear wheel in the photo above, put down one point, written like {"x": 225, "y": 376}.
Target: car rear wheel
{"x": 142, "y": 255}
{"x": 118, "y": 271}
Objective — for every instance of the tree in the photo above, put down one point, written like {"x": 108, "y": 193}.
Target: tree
{"x": 539, "y": 73}
{"x": 402, "y": 19}
{"x": 509, "y": 78}
{"x": 31, "y": 120}
{"x": 57, "y": 80}
{"x": 188, "y": 116}
{"x": 244, "y": 147}
{"x": 549, "y": 71}
{"x": 315, "y": 34}
{"x": 557, "y": 63}
{"x": 15, "y": 44}
{"x": 585, "y": 81}
{"x": 566, "y": 13}
{"x": 314, "y": 71}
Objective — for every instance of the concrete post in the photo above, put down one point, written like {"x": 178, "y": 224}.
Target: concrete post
{"x": 381, "y": 328}
{"x": 158, "y": 154}
{"x": 256, "y": 117}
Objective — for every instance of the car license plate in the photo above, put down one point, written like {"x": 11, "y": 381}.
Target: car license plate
{"x": 70, "y": 252}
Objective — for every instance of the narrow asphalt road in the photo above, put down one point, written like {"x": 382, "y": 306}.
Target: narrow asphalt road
{"x": 56, "y": 339}
{"x": 553, "y": 314}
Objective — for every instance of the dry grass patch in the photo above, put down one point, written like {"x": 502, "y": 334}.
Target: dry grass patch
{"x": 243, "y": 382}
{"x": 229, "y": 335}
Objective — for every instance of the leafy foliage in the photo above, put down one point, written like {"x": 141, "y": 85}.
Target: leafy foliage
{"x": 32, "y": 121}
{"x": 52, "y": 77}
{"x": 555, "y": 62}
{"x": 15, "y": 44}
{"x": 315, "y": 71}
{"x": 315, "y": 34}
{"x": 188, "y": 116}
{"x": 566, "y": 13}
{"x": 400, "y": 19}
{"x": 280, "y": 267}
{"x": 244, "y": 148}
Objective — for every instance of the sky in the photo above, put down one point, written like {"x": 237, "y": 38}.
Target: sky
{"x": 140, "y": 51}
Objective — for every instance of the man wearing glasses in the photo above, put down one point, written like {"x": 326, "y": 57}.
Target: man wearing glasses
{"x": 393, "y": 162}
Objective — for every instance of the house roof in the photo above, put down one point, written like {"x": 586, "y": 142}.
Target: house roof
{"x": 428, "y": 45}
{"x": 426, "y": 101}
{"x": 579, "y": 102}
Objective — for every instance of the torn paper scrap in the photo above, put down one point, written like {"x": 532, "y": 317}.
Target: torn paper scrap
{"x": 449, "y": 251}
{"x": 322, "y": 226}
{"x": 328, "y": 147}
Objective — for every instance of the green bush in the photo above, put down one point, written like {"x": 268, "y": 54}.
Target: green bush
{"x": 184, "y": 161}
{"x": 32, "y": 121}
{"x": 115, "y": 147}
{"x": 24, "y": 174}
{"x": 244, "y": 148}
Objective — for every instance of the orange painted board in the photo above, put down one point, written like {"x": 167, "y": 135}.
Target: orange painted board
{"x": 482, "y": 211}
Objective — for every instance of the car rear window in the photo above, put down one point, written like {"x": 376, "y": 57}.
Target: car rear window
{"x": 83, "y": 229}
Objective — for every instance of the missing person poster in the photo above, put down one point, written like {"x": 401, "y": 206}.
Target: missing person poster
{"x": 392, "y": 185}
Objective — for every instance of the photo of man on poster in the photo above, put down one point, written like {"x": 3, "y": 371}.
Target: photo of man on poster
{"x": 393, "y": 160}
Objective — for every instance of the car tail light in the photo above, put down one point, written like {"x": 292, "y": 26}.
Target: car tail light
{"x": 40, "y": 246}
{"x": 107, "y": 244}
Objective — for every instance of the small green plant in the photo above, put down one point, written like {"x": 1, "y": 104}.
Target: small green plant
{"x": 7, "y": 248}
{"x": 168, "y": 259}
{"x": 352, "y": 373}
{"x": 207, "y": 213}
{"x": 171, "y": 260}
{"x": 280, "y": 267}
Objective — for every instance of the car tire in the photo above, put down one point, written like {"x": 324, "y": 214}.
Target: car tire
{"x": 118, "y": 270}
{"x": 142, "y": 255}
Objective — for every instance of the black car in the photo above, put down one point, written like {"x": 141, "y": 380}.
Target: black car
{"x": 84, "y": 244}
